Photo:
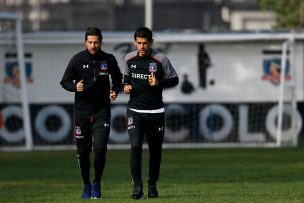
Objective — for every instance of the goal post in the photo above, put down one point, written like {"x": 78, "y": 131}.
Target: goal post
{"x": 23, "y": 84}
{"x": 288, "y": 105}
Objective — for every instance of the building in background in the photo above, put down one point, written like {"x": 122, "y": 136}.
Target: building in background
{"x": 121, "y": 15}
{"x": 246, "y": 15}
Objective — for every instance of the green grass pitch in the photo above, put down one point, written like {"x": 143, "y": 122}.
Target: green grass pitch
{"x": 187, "y": 175}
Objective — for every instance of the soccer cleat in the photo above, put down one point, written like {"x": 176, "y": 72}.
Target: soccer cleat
{"x": 152, "y": 191}
{"x": 96, "y": 192}
{"x": 138, "y": 192}
{"x": 86, "y": 192}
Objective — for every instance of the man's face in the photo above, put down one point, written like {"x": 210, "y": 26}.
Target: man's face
{"x": 92, "y": 44}
{"x": 143, "y": 46}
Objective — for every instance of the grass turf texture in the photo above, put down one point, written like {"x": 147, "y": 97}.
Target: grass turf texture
{"x": 187, "y": 175}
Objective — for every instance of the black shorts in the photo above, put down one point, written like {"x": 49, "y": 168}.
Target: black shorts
{"x": 150, "y": 124}
{"x": 89, "y": 131}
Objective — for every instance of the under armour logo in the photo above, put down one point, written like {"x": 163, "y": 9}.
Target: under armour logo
{"x": 106, "y": 125}
{"x": 160, "y": 128}
{"x": 85, "y": 66}
{"x": 133, "y": 66}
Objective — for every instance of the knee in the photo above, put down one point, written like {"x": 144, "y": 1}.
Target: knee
{"x": 136, "y": 149}
{"x": 84, "y": 152}
{"x": 100, "y": 151}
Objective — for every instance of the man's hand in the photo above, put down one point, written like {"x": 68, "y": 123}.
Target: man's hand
{"x": 127, "y": 89}
{"x": 152, "y": 80}
{"x": 113, "y": 95}
{"x": 80, "y": 86}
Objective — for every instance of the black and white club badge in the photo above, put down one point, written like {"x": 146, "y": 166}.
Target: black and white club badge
{"x": 130, "y": 121}
{"x": 152, "y": 67}
{"x": 77, "y": 130}
{"x": 103, "y": 69}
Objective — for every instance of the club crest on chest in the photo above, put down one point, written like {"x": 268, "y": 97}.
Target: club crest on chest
{"x": 152, "y": 67}
{"x": 103, "y": 69}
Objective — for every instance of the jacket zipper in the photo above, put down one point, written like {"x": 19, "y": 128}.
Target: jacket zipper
{"x": 94, "y": 79}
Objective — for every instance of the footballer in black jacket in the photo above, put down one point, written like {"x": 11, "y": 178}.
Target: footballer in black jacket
{"x": 147, "y": 72}
{"x": 87, "y": 74}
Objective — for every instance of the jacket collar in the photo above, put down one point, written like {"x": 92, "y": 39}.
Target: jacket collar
{"x": 98, "y": 53}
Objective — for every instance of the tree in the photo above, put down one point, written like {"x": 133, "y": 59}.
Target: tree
{"x": 290, "y": 13}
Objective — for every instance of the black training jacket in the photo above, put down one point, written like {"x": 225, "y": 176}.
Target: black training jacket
{"x": 94, "y": 71}
{"x": 137, "y": 71}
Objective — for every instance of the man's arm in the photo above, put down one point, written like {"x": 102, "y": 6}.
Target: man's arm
{"x": 68, "y": 78}
{"x": 116, "y": 76}
{"x": 127, "y": 79}
{"x": 170, "y": 78}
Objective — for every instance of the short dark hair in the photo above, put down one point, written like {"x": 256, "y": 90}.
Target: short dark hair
{"x": 143, "y": 32}
{"x": 93, "y": 31}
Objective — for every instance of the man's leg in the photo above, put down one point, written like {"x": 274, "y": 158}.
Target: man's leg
{"x": 83, "y": 139}
{"x": 136, "y": 126}
{"x": 101, "y": 131}
{"x": 155, "y": 135}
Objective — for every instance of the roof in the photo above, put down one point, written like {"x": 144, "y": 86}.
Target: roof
{"x": 72, "y": 37}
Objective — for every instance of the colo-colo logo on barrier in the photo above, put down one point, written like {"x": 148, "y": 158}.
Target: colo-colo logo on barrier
{"x": 172, "y": 134}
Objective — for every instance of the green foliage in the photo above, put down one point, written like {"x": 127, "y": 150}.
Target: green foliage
{"x": 188, "y": 175}
{"x": 290, "y": 13}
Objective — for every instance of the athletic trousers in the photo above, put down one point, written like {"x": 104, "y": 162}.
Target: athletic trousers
{"x": 88, "y": 132}
{"x": 151, "y": 125}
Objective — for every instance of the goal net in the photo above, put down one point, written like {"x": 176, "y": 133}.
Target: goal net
{"x": 234, "y": 91}
{"x": 246, "y": 94}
